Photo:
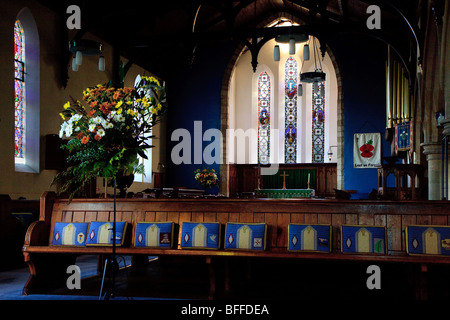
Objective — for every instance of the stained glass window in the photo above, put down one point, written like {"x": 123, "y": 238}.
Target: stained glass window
{"x": 290, "y": 111}
{"x": 318, "y": 121}
{"x": 19, "y": 89}
{"x": 263, "y": 118}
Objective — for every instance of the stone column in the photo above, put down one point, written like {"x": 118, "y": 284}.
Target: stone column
{"x": 434, "y": 159}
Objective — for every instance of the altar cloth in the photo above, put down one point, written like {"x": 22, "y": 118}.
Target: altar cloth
{"x": 285, "y": 193}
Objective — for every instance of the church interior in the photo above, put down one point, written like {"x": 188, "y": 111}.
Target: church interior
{"x": 279, "y": 149}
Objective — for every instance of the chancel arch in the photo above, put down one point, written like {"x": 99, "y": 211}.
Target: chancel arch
{"x": 240, "y": 101}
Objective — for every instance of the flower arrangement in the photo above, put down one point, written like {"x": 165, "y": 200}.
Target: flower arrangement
{"x": 207, "y": 178}
{"x": 106, "y": 137}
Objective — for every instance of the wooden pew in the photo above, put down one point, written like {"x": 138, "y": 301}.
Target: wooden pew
{"x": 48, "y": 264}
{"x": 15, "y": 216}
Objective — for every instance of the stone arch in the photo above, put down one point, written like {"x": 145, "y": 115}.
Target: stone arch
{"x": 224, "y": 166}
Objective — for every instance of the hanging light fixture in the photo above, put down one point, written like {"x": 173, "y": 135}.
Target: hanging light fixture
{"x": 74, "y": 64}
{"x": 82, "y": 47}
{"x": 306, "y": 52}
{"x": 276, "y": 53}
{"x": 79, "y": 58}
{"x": 318, "y": 75}
{"x": 291, "y": 39}
{"x": 291, "y": 46}
{"x": 101, "y": 63}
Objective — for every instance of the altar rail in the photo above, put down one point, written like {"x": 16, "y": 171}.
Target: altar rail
{"x": 277, "y": 214}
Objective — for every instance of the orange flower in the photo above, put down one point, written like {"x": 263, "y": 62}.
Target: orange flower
{"x": 80, "y": 135}
{"x": 105, "y": 107}
{"x": 127, "y": 90}
{"x": 85, "y": 140}
{"x": 91, "y": 113}
{"x": 97, "y": 137}
{"x": 116, "y": 95}
{"x": 93, "y": 103}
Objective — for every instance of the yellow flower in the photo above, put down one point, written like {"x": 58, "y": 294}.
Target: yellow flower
{"x": 119, "y": 104}
{"x": 62, "y": 116}
{"x": 132, "y": 112}
{"x": 119, "y": 111}
{"x": 67, "y": 105}
{"x": 152, "y": 110}
{"x": 129, "y": 102}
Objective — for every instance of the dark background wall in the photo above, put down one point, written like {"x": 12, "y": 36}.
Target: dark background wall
{"x": 194, "y": 94}
{"x": 362, "y": 64}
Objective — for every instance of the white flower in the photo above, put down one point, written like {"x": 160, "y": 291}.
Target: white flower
{"x": 61, "y": 133}
{"x": 119, "y": 118}
{"x": 97, "y": 120}
{"x": 64, "y": 125}
{"x": 69, "y": 131}
{"x": 101, "y": 132}
{"x": 112, "y": 114}
{"x": 92, "y": 127}
{"x": 75, "y": 118}
{"x": 107, "y": 125}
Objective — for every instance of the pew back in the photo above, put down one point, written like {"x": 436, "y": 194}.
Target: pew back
{"x": 277, "y": 214}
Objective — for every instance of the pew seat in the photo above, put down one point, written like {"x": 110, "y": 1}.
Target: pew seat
{"x": 48, "y": 263}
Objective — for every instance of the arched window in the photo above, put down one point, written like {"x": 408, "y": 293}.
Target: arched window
{"x": 318, "y": 121}
{"x": 290, "y": 110}
{"x": 263, "y": 118}
{"x": 26, "y": 93}
{"x": 147, "y": 163}
{"x": 19, "y": 93}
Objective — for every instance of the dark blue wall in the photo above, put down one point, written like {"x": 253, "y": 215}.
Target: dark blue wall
{"x": 194, "y": 94}
{"x": 362, "y": 65}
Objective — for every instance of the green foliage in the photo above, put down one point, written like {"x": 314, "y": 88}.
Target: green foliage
{"x": 107, "y": 137}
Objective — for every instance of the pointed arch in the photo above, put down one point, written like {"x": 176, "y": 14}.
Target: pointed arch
{"x": 290, "y": 110}
{"x": 27, "y": 93}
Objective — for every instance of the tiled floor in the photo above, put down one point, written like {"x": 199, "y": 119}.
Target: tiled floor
{"x": 13, "y": 281}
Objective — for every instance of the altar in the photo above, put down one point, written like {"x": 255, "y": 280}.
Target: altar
{"x": 285, "y": 193}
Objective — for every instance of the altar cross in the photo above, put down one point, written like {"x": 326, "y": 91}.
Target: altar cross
{"x": 284, "y": 175}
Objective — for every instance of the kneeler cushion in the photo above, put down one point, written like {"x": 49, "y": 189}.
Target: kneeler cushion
{"x": 245, "y": 236}
{"x": 363, "y": 239}
{"x": 309, "y": 238}
{"x": 200, "y": 235}
{"x": 154, "y": 235}
{"x": 70, "y": 233}
{"x": 101, "y": 233}
{"x": 428, "y": 240}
